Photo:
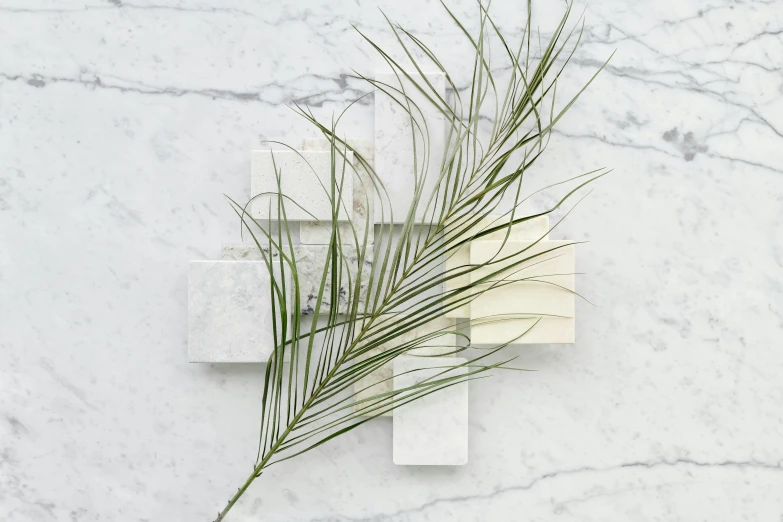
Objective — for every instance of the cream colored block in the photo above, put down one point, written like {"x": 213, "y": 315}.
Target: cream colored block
{"x": 543, "y": 288}
{"x": 459, "y": 259}
{"x": 380, "y": 381}
{"x": 530, "y": 230}
{"x": 305, "y": 181}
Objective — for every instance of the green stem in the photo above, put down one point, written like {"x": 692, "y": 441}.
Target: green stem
{"x": 236, "y": 496}
{"x": 268, "y": 455}
{"x": 257, "y": 469}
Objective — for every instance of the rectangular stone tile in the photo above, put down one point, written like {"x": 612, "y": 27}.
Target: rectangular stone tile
{"x": 530, "y": 230}
{"x": 432, "y": 430}
{"x": 381, "y": 379}
{"x": 314, "y": 233}
{"x": 549, "y": 293}
{"x": 394, "y": 149}
{"x": 305, "y": 179}
{"x": 229, "y": 312}
{"x": 309, "y": 264}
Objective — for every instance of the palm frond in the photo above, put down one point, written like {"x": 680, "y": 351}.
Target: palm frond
{"x": 312, "y": 386}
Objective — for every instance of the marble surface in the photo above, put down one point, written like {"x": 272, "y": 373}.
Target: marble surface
{"x": 123, "y": 123}
{"x": 432, "y": 431}
{"x": 229, "y": 312}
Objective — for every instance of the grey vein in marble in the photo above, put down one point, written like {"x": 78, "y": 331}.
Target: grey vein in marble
{"x": 116, "y": 150}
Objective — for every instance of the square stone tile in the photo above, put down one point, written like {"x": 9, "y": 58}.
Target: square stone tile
{"x": 432, "y": 430}
{"x": 305, "y": 180}
{"x": 310, "y": 263}
{"x": 381, "y": 379}
{"x": 229, "y": 312}
{"x": 528, "y": 231}
{"x": 394, "y": 146}
{"x": 548, "y": 294}
{"x": 314, "y": 233}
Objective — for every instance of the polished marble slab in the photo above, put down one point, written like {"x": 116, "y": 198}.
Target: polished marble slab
{"x": 433, "y": 430}
{"x": 408, "y": 151}
{"x": 230, "y": 317}
{"x": 125, "y": 123}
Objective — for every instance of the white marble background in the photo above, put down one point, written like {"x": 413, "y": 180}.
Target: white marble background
{"x": 122, "y": 123}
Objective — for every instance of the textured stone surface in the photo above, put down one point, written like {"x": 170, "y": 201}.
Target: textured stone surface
{"x": 381, "y": 379}
{"x": 123, "y": 126}
{"x": 531, "y": 230}
{"x": 305, "y": 180}
{"x": 394, "y": 151}
{"x": 433, "y": 430}
{"x": 314, "y": 233}
{"x": 309, "y": 264}
{"x": 545, "y": 292}
{"x": 229, "y": 312}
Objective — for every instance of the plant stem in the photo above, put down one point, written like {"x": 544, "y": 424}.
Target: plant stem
{"x": 257, "y": 469}
{"x": 268, "y": 455}
{"x": 236, "y": 496}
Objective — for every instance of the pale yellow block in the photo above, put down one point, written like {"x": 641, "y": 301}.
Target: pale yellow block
{"x": 381, "y": 379}
{"x": 530, "y": 230}
{"x": 460, "y": 258}
{"x": 525, "y": 298}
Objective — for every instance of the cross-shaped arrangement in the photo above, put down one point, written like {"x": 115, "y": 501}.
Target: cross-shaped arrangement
{"x": 230, "y": 314}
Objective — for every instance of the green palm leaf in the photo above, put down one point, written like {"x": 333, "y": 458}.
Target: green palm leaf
{"x": 311, "y": 393}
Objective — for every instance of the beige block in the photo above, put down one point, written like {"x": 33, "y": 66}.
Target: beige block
{"x": 305, "y": 180}
{"x": 528, "y": 231}
{"x": 542, "y": 289}
{"x": 381, "y": 379}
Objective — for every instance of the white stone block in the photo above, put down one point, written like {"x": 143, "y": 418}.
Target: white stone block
{"x": 380, "y": 381}
{"x": 394, "y": 145}
{"x": 305, "y": 180}
{"x": 530, "y": 230}
{"x": 542, "y": 289}
{"x": 309, "y": 265}
{"x": 432, "y": 430}
{"x": 315, "y": 233}
{"x": 229, "y": 312}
